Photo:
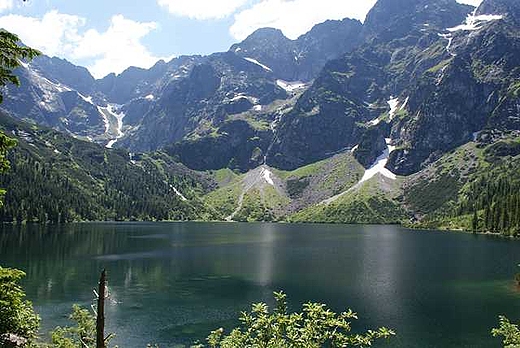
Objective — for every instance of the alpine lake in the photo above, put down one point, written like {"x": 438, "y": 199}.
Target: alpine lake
{"x": 172, "y": 283}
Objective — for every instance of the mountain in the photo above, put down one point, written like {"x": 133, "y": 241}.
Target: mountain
{"x": 352, "y": 93}
{"x": 303, "y": 58}
{"x": 187, "y": 98}
{"x": 350, "y": 122}
{"x": 56, "y": 178}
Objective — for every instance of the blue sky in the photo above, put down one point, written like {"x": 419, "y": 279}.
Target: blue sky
{"x": 109, "y": 35}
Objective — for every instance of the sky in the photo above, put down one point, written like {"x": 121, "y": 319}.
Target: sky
{"x": 107, "y": 36}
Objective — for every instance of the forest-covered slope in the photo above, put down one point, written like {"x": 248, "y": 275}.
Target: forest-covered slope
{"x": 54, "y": 177}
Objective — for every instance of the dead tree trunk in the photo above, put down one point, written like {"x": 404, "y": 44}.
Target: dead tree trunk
{"x": 100, "y": 320}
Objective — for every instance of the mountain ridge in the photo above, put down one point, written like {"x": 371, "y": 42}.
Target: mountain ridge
{"x": 393, "y": 97}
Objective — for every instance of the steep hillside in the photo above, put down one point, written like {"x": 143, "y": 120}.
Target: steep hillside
{"x": 56, "y": 178}
{"x": 474, "y": 188}
{"x": 396, "y": 119}
{"x": 267, "y": 194}
{"x": 367, "y": 88}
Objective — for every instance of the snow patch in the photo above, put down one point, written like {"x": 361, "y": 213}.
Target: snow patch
{"x": 106, "y": 121}
{"x": 374, "y": 122}
{"x": 238, "y": 49}
{"x": 149, "y": 97}
{"x": 405, "y": 103}
{"x": 178, "y": 193}
{"x": 111, "y": 109}
{"x": 243, "y": 96}
{"x": 379, "y": 164}
{"x": 290, "y": 86}
{"x": 448, "y": 37}
{"x": 354, "y": 148}
{"x": 87, "y": 99}
{"x": 377, "y": 167}
{"x": 254, "y": 61}
{"x": 474, "y": 22}
{"x": 266, "y": 174}
{"x": 393, "y": 103}
{"x": 257, "y": 107}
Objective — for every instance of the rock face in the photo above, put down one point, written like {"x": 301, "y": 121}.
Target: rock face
{"x": 372, "y": 145}
{"x": 428, "y": 74}
{"x": 236, "y": 145}
{"x": 45, "y": 99}
{"x": 350, "y": 90}
{"x": 303, "y": 58}
{"x": 473, "y": 90}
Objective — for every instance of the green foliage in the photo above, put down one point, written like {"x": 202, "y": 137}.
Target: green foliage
{"x": 368, "y": 203}
{"x": 11, "y": 52}
{"x": 428, "y": 196}
{"x": 6, "y": 144}
{"x": 509, "y": 332}
{"x": 354, "y": 210}
{"x": 316, "y": 326}
{"x": 255, "y": 208}
{"x": 443, "y": 64}
{"x": 495, "y": 194}
{"x": 17, "y": 316}
{"x": 82, "y": 335}
{"x": 56, "y": 178}
{"x": 225, "y": 199}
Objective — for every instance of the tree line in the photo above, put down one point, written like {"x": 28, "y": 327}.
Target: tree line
{"x": 493, "y": 200}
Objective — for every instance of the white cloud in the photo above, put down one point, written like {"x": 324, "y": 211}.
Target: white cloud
{"x": 5, "y": 5}
{"x": 296, "y": 17}
{"x": 117, "y": 48}
{"x": 475, "y": 3}
{"x": 202, "y": 9}
{"x": 54, "y": 34}
{"x": 60, "y": 34}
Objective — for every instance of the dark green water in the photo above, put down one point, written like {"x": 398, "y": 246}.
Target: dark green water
{"x": 174, "y": 282}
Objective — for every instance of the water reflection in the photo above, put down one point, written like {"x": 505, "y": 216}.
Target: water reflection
{"x": 380, "y": 275}
{"x": 173, "y": 283}
{"x": 266, "y": 255}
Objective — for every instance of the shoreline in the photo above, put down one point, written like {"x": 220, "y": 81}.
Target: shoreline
{"x": 403, "y": 225}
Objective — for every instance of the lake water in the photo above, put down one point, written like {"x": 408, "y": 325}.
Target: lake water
{"x": 171, "y": 283}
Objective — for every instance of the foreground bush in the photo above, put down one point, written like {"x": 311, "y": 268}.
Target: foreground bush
{"x": 18, "y": 322}
{"x": 509, "y": 332}
{"x": 316, "y": 326}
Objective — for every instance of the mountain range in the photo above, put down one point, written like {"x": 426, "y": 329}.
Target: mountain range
{"x": 388, "y": 120}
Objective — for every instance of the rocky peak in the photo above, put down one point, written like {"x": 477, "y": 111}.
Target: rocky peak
{"x": 301, "y": 59}
{"x": 393, "y": 19}
{"x": 261, "y": 38}
{"x": 64, "y": 72}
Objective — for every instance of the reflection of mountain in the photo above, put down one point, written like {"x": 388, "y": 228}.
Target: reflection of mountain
{"x": 195, "y": 277}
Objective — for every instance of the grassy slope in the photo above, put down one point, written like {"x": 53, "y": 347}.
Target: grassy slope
{"x": 296, "y": 190}
{"x": 375, "y": 201}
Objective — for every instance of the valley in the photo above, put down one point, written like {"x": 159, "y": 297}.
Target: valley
{"x": 391, "y": 120}
{"x": 327, "y": 164}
